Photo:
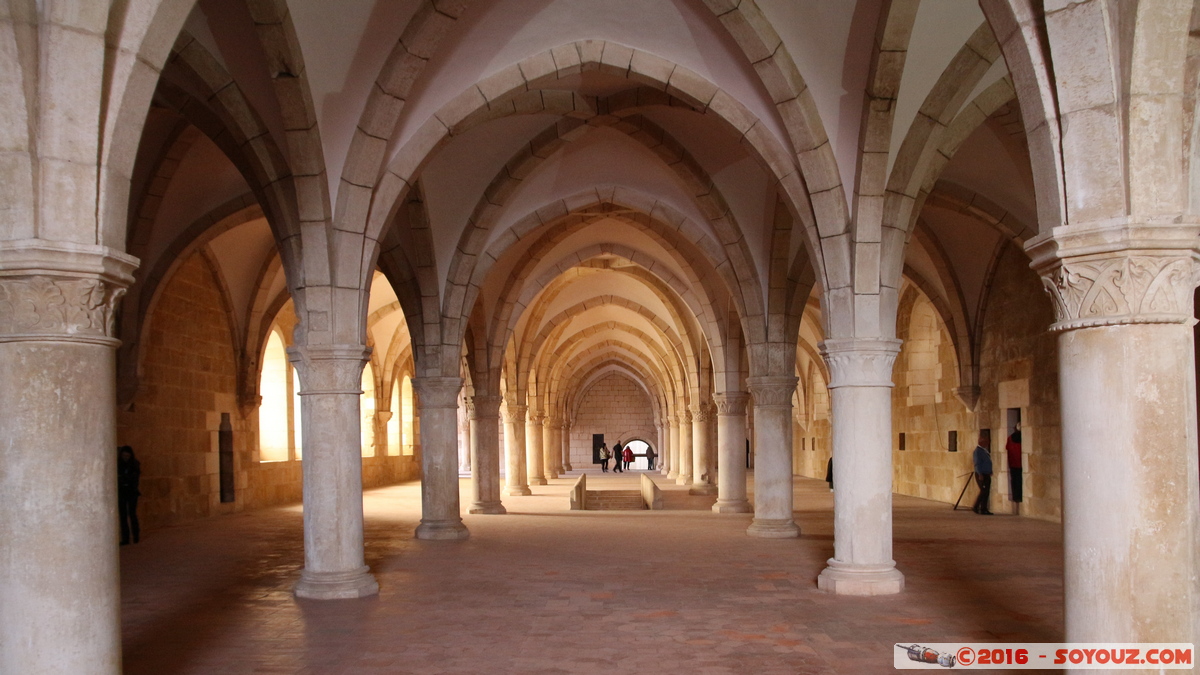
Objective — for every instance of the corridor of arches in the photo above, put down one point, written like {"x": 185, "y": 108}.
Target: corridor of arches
{"x": 292, "y": 250}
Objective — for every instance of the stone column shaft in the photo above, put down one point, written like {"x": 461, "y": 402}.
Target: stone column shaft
{"x": 702, "y": 464}
{"x": 534, "y": 442}
{"x": 673, "y": 439}
{"x": 731, "y": 444}
{"x": 330, "y": 398}
{"x": 440, "y": 511}
{"x": 514, "y": 450}
{"x": 685, "y": 449}
{"x": 773, "y": 456}
{"x": 550, "y": 445}
{"x": 566, "y": 446}
{"x": 1123, "y": 303}
{"x": 860, "y": 390}
{"x": 485, "y": 455}
{"x": 59, "y": 588}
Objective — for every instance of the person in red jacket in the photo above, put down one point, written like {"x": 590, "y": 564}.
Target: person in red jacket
{"x": 628, "y": 456}
{"x": 1013, "y": 448}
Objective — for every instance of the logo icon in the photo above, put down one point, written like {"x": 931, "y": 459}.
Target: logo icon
{"x": 926, "y": 655}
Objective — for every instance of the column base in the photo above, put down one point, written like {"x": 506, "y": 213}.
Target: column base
{"x": 773, "y": 529}
{"x": 683, "y": 480}
{"x": 732, "y": 506}
{"x": 703, "y": 489}
{"x": 358, "y": 583}
{"x": 492, "y": 508}
{"x": 567, "y": 468}
{"x": 672, "y": 475}
{"x": 846, "y": 579}
{"x": 519, "y": 491}
{"x": 445, "y": 530}
{"x": 537, "y": 481}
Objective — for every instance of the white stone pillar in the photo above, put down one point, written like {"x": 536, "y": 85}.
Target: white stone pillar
{"x": 550, "y": 446}
{"x": 860, "y": 392}
{"x": 673, "y": 443}
{"x": 566, "y": 445}
{"x": 773, "y": 456}
{"x": 440, "y": 514}
{"x": 59, "y": 588}
{"x": 685, "y": 448}
{"x": 330, "y": 395}
{"x": 534, "y": 443}
{"x": 702, "y": 464}
{"x": 1123, "y": 302}
{"x": 514, "y": 450}
{"x": 731, "y": 444}
{"x": 464, "y": 437}
{"x": 485, "y": 455}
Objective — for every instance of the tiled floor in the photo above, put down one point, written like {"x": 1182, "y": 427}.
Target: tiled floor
{"x": 547, "y": 590}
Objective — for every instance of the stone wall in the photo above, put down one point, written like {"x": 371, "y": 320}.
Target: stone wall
{"x": 1018, "y": 369}
{"x": 617, "y": 408}
{"x": 188, "y": 380}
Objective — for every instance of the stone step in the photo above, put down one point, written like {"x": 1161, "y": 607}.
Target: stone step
{"x": 615, "y": 500}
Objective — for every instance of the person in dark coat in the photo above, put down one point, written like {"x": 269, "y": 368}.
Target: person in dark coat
{"x": 1013, "y": 449}
{"x": 983, "y": 475}
{"x": 650, "y": 456}
{"x": 129, "y": 475}
{"x": 618, "y": 459}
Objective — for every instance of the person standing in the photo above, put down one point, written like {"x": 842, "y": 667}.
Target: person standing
{"x": 129, "y": 475}
{"x": 603, "y": 458}
{"x": 650, "y": 455}
{"x": 1013, "y": 448}
{"x": 982, "y": 458}
{"x": 618, "y": 458}
{"x": 628, "y": 456}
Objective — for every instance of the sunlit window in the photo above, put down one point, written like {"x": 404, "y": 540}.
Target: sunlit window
{"x": 367, "y": 407}
{"x": 406, "y": 416}
{"x": 273, "y": 413}
{"x": 393, "y": 424}
{"x": 297, "y": 433}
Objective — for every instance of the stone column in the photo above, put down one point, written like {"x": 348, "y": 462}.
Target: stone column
{"x": 440, "y": 516}
{"x": 59, "y": 588}
{"x": 566, "y": 445}
{"x": 685, "y": 448}
{"x": 330, "y": 394}
{"x": 514, "y": 449}
{"x": 1123, "y": 303}
{"x": 773, "y": 456}
{"x": 702, "y": 452}
{"x": 534, "y": 443}
{"x": 673, "y": 441}
{"x": 731, "y": 444}
{"x": 550, "y": 445}
{"x": 860, "y": 392}
{"x": 464, "y": 437}
{"x": 485, "y": 454}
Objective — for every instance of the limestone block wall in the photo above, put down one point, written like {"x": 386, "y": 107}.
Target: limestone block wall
{"x": 188, "y": 381}
{"x": 1019, "y": 369}
{"x": 617, "y": 408}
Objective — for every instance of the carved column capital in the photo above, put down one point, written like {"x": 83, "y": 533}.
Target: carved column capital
{"x": 731, "y": 402}
{"x": 536, "y": 418}
{"x": 482, "y": 407}
{"x": 61, "y": 292}
{"x": 1118, "y": 274}
{"x": 702, "y": 413}
{"x": 860, "y": 362}
{"x": 514, "y": 413}
{"x": 329, "y": 369}
{"x": 684, "y": 415}
{"x": 772, "y": 391}
{"x": 550, "y": 422}
{"x": 438, "y": 392}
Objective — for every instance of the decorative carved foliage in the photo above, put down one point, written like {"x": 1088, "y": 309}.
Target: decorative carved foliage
{"x": 42, "y": 305}
{"x": 731, "y": 403}
{"x": 772, "y": 391}
{"x": 855, "y": 362}
{"x": 702, "y": 413}
{"x": 438, "y": 392}
{"x": 514, "y": 413}
{"x": 1121, "y": 289}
